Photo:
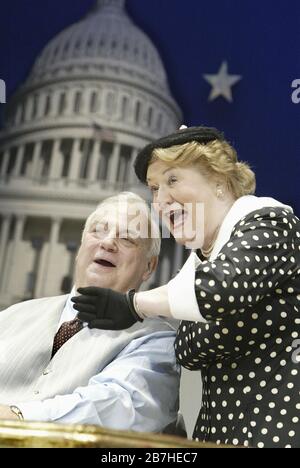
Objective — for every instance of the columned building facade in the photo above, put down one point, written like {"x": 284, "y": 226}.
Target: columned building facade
{"x": 96, "y": 95}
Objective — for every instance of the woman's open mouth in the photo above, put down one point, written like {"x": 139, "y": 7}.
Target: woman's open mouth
{"x": 177, "y": 218}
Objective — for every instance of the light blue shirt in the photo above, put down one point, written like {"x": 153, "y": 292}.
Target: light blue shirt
{"x": 131, "y": 393}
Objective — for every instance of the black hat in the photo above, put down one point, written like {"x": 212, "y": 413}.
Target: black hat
{"x": 199, "y": 134}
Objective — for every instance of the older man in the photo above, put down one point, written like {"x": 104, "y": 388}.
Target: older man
{"x": 55, "y": 368}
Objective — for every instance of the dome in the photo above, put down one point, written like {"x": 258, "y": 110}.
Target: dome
{"x": 105, "y": 36}
{"x": 96, "y": 95}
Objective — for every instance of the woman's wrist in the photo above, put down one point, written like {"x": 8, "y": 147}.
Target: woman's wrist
{"x": 137, "y": 308}
{"x": 130, "y": 298}
{"x": 153, "y": 303}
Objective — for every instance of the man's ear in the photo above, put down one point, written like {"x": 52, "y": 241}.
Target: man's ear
{"x": 151, "y": 267}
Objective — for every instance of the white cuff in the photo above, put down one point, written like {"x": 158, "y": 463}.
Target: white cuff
{"x": 181, "y": 292}
{"x": 34, "y": 411}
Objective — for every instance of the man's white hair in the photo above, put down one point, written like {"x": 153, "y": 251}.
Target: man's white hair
{"x": 132, "y": 199}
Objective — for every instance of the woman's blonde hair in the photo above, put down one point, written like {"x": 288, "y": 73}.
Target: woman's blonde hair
{"x": 216, "y": 159}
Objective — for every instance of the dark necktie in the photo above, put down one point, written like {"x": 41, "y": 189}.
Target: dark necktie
{"x": 65, "y": 332}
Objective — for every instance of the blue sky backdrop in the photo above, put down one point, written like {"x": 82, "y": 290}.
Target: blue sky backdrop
{"x": 260, "y": 40}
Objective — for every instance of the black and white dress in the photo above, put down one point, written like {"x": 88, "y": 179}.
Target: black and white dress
{"x": 247, "y": 342}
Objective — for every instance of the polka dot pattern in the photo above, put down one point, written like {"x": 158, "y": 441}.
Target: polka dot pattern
{"x": 246, "y": 352}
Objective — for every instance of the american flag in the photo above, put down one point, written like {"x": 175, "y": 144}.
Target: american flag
{"x": 102, "y": 133}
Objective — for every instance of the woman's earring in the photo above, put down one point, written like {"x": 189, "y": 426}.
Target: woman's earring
{"x": 220, "y": 193}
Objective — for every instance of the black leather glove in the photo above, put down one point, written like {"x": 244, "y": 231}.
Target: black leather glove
{"x": 106, "y": 309}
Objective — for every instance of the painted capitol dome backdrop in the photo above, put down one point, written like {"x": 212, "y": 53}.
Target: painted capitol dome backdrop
{"x": 96, "y": 94}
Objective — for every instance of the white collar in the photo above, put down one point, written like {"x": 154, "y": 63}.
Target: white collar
{"x": 68, "y": 313}
{"x": 241, "y": 208}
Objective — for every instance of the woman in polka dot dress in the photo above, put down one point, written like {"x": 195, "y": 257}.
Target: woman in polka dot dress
{"x": 240, "y": 302}
{"x": 239, "y": 299}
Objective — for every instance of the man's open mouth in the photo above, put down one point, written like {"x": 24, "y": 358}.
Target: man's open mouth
{"x": 105, "y": 263}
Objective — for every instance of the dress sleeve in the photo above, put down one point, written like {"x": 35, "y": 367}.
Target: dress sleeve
{"x": 181, "y": 292}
